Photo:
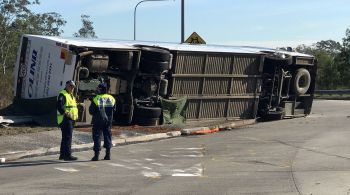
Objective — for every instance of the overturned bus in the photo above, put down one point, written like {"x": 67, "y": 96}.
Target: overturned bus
{"x": 215, "y": 82}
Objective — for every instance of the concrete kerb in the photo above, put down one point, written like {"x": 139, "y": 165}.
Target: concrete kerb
{"x": 236, "y": 124}
{"x": 216, "y": 128}
{"x": 85, "y": 147}
{"x": 129, "y": 140}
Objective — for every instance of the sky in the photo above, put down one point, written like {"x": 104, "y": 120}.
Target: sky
{"x": 267, "y": 23}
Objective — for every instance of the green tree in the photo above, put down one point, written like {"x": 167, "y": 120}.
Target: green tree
{"x": 327, "y": 53}
{"x": 330, "y": 46}
{"x": 344, "y": 60}
{"x": 87, "y": 30}
{"x": 16, "y": 19}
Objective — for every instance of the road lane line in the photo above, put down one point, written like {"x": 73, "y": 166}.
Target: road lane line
{"x": 158, "y": 164}
{"x": 151, "y": 174}
{"x": 120, "y": 165}
{"x": 68, "y": 169}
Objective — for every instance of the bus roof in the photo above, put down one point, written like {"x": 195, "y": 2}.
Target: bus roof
{"x": 125, "y": 44}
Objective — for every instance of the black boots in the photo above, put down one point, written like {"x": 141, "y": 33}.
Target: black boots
{"x": 95, "y": 158}
{"x": 67, "y": 158}
{"x": 107, "y": 157}
{"x": 70, "y": 158}
{"x": 108, "y": 154}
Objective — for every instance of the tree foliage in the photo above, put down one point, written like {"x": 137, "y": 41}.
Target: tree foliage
{"x": 87, "y": 30}
{"x": 333, "y": 62}
{"x": 16, "y": 19}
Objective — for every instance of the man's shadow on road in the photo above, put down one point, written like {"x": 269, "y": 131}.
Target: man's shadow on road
{"x": 37, "y": 163}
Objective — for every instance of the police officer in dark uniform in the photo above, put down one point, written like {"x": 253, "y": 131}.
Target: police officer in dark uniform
{"x": 102, "y": 108}
{"x": 67, "y": 114}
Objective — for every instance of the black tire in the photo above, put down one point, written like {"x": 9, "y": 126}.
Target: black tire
{"x": 147, "y": 112}
{"x": 83, "y": 73}
{"x": 302, "y": 81}
{"x": 146, "y": 121}
{"x": 274, "y": 116}
{"x": 277, "y": 61}
{"x": 155, "y": 54}
{"x": 149, "y": 66}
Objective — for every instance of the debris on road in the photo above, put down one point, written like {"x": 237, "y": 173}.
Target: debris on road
{"x": 15, "y": 119}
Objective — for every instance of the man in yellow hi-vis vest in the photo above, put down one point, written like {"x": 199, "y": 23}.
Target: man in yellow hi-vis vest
{"x": 67, "y": 114}
{"x": 102, "y": 109}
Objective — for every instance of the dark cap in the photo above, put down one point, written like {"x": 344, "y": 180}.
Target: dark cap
{"x": 70, "y": 82}
{"x": 102, "y": 86}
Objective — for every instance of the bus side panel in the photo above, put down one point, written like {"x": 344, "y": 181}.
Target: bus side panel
{"x": 46, "y": 67}
{"x": 20, "y": 68}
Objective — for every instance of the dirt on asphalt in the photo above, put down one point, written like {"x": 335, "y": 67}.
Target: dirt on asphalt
{"x": 15, "y": 130}
{"x": 116, "y": 130}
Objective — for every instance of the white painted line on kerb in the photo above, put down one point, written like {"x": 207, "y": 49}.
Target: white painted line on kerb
{"x": 68, "y": 169}
{"x": 2, "y": 160}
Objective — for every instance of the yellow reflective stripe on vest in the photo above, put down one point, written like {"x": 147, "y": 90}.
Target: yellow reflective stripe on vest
{"x": 104, "y": 100}
{"x": 69, "y": 106}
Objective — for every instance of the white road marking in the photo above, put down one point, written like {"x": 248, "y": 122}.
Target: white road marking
{"x": 188, "y": 151}
{"x": 193, "y": 155}
{"x": 151, "y": 174}
{"x": 187, "y": 148}
{"x": 148, "y": 168}
{"x": 185, "y": 175}
{"x": 85, "y": 165}
{"x": 158, "y": 164}
{"x": 149, "y": 159}
{"x": 195, "y": 171}
{"x": 68, "y": 169}
{"x": 14, "y": 152}
{"x": 185, "y": 155}
{"x": 179, "y": 170}
{"x": 130, "y": 160}
{"x": 120, "y": 165}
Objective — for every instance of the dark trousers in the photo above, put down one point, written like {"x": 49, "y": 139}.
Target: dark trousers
{"x": 97, "y": 130}
{"x": 66, "y": 142}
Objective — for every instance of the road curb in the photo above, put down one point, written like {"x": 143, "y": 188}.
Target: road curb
{"x": 130, "y": 140}
{"x": 85, "y": 147}
{"x": 236, "y": 124}
{"x": 217, "y": 128}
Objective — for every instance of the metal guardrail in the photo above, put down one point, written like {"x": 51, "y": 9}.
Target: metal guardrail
{"x": 333, "y": 92}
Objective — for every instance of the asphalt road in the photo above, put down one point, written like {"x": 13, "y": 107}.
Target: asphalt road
{"x": 298, "y": 156}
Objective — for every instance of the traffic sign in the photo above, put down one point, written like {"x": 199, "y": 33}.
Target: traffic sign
{"x": 194, "y": 38}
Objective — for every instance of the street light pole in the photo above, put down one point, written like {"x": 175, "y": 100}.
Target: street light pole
{"x": 182, "y": 21}
{"x": 135, "y": 13}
